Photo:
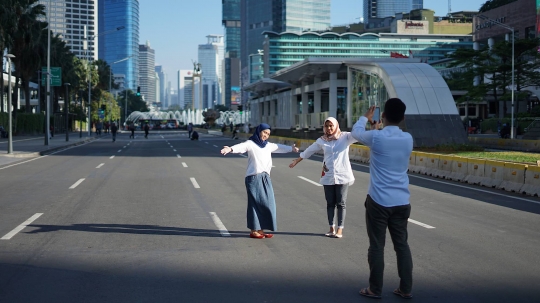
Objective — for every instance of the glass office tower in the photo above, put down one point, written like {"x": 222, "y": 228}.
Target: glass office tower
{"x": 231, "y": 23}
{"x": 374, "y": 9}
{"x": 117, "y": 45}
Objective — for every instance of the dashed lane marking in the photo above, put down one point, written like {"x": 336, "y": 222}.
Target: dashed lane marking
{"x": 111, "y": 157}
{"x": 184, "y": 164}
{"x": 76, "y": 183}
{"x": 100, "y": 165}
{"x": 222, "y": 230}
{"x": 421, "y": 224}
{"x": 21, "y": 227}
{"x": 312, "y": 182}
{"x": 194, "y": 182}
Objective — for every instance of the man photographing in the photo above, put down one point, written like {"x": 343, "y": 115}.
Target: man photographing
{"x": 387, "y": 203}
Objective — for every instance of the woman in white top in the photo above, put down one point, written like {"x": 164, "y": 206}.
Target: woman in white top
{"x": 261, "y": 210}
{"x": 336, "y": 174}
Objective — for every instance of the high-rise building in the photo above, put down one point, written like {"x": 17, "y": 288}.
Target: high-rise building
{"x": 185, "y": 88}
{"x": 278, "y": 16}
{"x": 210, "y": 58}
{"x": 162, "y": 88}
{"x": 68, "y": 19}
{"x": 231, "y": 23}
{"x": 147, "y": 73}
{"x": 377, "y": 9}
{"x": 121, "y": 44}
{"x": 158, "y": 93}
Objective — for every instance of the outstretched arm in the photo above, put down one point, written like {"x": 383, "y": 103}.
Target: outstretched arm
{"x": 295, "y": 161}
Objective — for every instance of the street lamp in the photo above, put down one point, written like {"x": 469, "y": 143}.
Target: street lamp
{"x": 47, "y": 114}
{"x": 10, "y": 122}
{"x": 66, "y": 111}
{"x": 511, "y": 29}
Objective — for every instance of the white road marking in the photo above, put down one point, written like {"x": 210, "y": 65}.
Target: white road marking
{"x": 216, "y": 146}
{"x": 312, "y": 182}
{"x": 21, "y": 227}
{"x": 100, "y": 165}
{"x": 179, "y": 156}
{"x": 119, "y": 150}
{"x": 174, "y": 149}
{"x": 77, "y": 183}
{"x": 184, "y": 164}
{"x": 124, "y": 147}
{"x": 206, "y": 142}
{"x": 222, "y": 230}
{"x": 111, "y": 157}
{"x": 194, "y": 182}
{"x": 421, "y": 224}
{"x": 242, "y": 155}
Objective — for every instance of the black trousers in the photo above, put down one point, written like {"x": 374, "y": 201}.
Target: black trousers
{"x": 378, "y": 218}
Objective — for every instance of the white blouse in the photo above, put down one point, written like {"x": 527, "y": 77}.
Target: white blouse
{"x": 259, "y": 159}
{"x": 336, "y": 159}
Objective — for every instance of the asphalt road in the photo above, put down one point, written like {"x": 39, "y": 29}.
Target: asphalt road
{"x": 163, "y": 220}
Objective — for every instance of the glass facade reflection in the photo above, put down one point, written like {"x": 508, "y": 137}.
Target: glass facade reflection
{"x": 232, "y": 24}
{"x": 387, "y": 8}
{"x": 117, "y": 45}
{"x": 367, "y": 90}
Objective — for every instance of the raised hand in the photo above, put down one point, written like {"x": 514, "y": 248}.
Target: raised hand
{"x": 294, "y": 148}
{"x": 225, "y": 150}
{"x": 294, "y": 162}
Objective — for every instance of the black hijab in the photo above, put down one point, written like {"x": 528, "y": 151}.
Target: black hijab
{"x": 256, "y": 137}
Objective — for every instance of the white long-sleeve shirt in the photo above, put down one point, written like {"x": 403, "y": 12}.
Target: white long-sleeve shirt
{"x": 259, "y": 159}
{"x": 389, "y": 160}
{"x": 336, "y": 159}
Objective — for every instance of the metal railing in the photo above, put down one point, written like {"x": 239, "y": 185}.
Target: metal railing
{"x": 533, "y": 124}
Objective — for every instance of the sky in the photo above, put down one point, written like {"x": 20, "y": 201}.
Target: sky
{"x": 175, "y": 28}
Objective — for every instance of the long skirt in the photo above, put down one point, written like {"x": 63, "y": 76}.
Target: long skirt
{"x": 261, "y": 208}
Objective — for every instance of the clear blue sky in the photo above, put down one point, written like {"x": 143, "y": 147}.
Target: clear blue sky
{"x": 176, "y": 27}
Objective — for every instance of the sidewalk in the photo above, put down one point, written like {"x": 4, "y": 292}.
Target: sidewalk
{"x": 26, "y": 147}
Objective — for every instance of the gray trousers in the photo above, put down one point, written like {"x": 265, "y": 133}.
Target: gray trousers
{"x": 378, "y": 218}
{"x": 336, "y": 195}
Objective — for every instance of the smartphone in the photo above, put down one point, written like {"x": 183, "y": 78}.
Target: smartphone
{"x": 377, "y": 115}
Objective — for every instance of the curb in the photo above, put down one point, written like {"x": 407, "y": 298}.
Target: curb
{"x": 52, "y": 150}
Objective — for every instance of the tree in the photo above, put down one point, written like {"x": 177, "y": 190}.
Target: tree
{"x": 221, "y": 108}
{"x": 8, "y": 26}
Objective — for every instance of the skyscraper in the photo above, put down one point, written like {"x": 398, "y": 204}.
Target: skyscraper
{"x": 210, "y": 58}
{"x": 68, "y": 18}
{"x": 231, "y": 22}
{"x": 279, "y": 16}
{"x": 117, "y": 45}
{"x": 374, "y": 9}
{"x": 162, "y": 88}
{"x": 185, "y": 88}
{"x": 147, "y": 74}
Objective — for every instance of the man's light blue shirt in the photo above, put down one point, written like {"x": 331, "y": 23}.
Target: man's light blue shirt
{"x": 388, "y": 164}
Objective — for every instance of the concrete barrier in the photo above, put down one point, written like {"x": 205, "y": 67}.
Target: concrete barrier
{"x": 531, "y": 184}
{"x": 420, "y": 163}
{"x": 412, "y": 161}
{"x": 444, "y": 170}
{"x": 432, "y": 161}
{"x": 475, "y": 171}
{"x": 459, "y": 169}
{"x": 355, "y": 153}
{"x": 493, "y": 174}
{"x": 513, "y": 176}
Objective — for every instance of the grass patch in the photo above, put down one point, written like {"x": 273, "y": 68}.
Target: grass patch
{"x": 450, "y": 148}
{"x": 509, "y": 156}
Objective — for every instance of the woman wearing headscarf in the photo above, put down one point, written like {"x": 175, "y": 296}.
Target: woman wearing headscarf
{"x": 261, "y": 209}
{"x": 336, "y": 173}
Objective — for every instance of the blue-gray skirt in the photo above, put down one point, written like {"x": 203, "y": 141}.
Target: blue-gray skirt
{"x": 261, "y": 209}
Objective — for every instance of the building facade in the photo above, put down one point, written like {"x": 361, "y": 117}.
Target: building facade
{"x": 117, "y": 45}
{"x": 69, "y": 18}
{"x": 285, "y": 49}
{"x": 147, "y": 73}
{"x": 378, "y": 9}
{"x": 211, "y": 57}
{"x": 185, "y": 88}
{"x": 231, "y": 23}
{"x": 163, "y": 87}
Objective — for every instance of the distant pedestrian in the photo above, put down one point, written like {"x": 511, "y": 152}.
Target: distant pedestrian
{"x": 223, "y": 128}
{"x": 99, "y": 127}
{"x": 387, "y": 203}
{"x": 261, "y": 210}
{"x": 114, "y": 129}
{"x": 51, "y": 129}
{"x": 146, "y": 130}
{"x": 190, "y": 129}
{"x": 132, "y": 129}
{"x": 231, "y": 126}
{"x": 235, "y": 133}
{"x": 195, "y": 136}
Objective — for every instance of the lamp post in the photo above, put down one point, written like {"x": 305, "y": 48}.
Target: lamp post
{"x": 66, "y": 110}
{"x": 512, "y": 135}
{"x": 80, "y": 121}
{"x": 110, "y": 78}
{"x": 10, "y": 122}
{"x": 47, "y": 113}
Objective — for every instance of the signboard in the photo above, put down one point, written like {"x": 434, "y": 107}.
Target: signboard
{"x": 235, "y": 95}
{"x": 56, "y": 76}
{"x": 537, "y": 18}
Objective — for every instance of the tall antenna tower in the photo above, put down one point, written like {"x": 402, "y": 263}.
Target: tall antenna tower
{"x": 449, "y": 7}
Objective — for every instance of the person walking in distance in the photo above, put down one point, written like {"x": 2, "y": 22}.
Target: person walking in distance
{"x": 337, "y": 175}
{"x": 261, "y": 209}
{"x": 146, "y": 130}
{"x": 114, "y": 129}
{"x": 387, "y": 203}
{"x": 190, "y": 129}
{"x": 132, "y": 129}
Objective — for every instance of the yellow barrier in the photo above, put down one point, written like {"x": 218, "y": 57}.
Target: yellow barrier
{"x": 493, "y": 174}
{"x": 420, "y": 163}
{"x": 444, "y": 170}
{"x": 412, "y": 161}
{"x": 531, "y": 184}
{"x": 355, "y": 153}
{"x": 432, "y": 161}
{"x": 459, "y": 169}
{"x": 513, "y": 176}
{"x": 475, "y": 171}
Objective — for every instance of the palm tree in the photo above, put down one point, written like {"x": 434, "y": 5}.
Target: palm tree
{"x": 8, "y": 26}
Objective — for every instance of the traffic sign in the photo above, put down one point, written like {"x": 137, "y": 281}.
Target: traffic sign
{"x": 56, "y": 76}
